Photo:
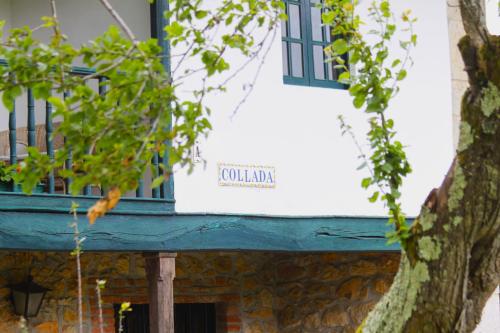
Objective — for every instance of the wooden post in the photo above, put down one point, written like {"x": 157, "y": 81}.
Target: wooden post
{"x": 160, "y": 270}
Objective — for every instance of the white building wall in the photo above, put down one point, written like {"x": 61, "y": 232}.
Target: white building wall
{"x": 81, "y": 21}
{"x": 5, "y": 13}
{"x": 295, "y": 129}
{"x": 490, "y": 320}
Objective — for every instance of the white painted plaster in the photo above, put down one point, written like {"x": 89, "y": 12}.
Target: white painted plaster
{"x": 81, "y": 21}
{"x": 295, "y": 130}
{"x": 5, "y": 13}
{"x": 493, "y": 16}
{"x": 490, "y": 320}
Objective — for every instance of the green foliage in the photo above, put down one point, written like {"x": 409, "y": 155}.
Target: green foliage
{"x": 5, "y": 172}
{"x": 112, "y": 137}
{"x": 372, "y": 88}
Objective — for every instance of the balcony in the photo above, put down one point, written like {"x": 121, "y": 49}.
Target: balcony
{"x": 30, "y": 124}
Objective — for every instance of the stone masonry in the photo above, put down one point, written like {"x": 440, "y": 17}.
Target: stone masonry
{"x": 254, "y": 292}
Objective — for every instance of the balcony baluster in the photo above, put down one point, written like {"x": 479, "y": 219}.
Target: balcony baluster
{"x": 49, "y": 143}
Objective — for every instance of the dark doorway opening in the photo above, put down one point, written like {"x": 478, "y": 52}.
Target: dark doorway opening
{"x": 135, "y": 321}
{"x": 188, "y": 318}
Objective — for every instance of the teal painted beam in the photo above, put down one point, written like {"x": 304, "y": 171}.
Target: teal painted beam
{"x": 58, "y": 203}
{"x": 51, "y": 232}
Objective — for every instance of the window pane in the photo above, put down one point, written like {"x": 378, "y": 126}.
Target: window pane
{"x": 319, "y": 63}
{"x": 328, "y": 33}
{"x": 285, "y": 58}
{"x": 283, "y": 28}
{"x": 297, "y": 69}
{"x": 317, "y": 32}
{"x": 294, "y": 20}
{"x": 332, "y": 74}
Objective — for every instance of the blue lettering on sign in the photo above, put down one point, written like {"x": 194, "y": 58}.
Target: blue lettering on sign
{"x": 232, "y": 174}
{"x": 255, "y": 178}
{"x": 270, "y": 178}
{"x": 242, "y": 175}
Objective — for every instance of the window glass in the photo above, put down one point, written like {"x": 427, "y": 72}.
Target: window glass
{"x": 332, "y": 74}
{"x": 296, "y": 53}
{"x": 294, "y": 21}
{"x": 317, "y": 31}
{"x": 285, "y": 57}
{"x": 319, "y": 62}
{"x": 328, "y": 34}
{"x": 284, "y": 28}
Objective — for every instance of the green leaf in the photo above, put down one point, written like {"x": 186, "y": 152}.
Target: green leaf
{"x": 355, "y": 88}
{"x": 385, "y": 8}
{"x": 200, "y": 14}
{"x": 387, "y": 167}
{"x": 340, "y": 46}
{"x": 9, "y": 96}
{"x": 328, "y": 17}
{"x": 344, "y": 77}
{"x": 56, "y": 102}
{"x": 414, "y": 39}
{"x": 359, "y": 100}
{"x": 395, "y": 63}
{"x": 8, "y": 101}
{"x": 374, "y": 197}
{"x": 174, "y": 29}
{"x": 366, "y": 182}
{"x": 401, "y": 75}
{"x": 42, "y": 91}
{"x": 157, "y": 181}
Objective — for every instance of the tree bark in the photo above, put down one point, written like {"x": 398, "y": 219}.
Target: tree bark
{"x": 452, "y": 263}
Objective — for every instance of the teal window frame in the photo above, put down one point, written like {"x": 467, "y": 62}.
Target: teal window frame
{"x": 308, "y": 44}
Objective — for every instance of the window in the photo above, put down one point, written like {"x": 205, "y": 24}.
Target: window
{"x": 188, "y": 318}
{"x": 194, "y": 318}
{"x": 303, "y": 39}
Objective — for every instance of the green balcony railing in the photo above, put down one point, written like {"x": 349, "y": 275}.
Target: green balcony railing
{"x": 32, "y": 133}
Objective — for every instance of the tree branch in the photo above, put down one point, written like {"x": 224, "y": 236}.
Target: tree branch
{"x": 474, "y": 20}
{"x": 121, "y": 22}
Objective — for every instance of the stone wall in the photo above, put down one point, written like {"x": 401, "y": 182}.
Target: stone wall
{"x": 330, "y": 292}
{"x": 57, "y": 271}
{"x": 253, "y": 292}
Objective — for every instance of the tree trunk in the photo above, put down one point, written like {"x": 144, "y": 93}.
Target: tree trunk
{"x": 452, "y": 263}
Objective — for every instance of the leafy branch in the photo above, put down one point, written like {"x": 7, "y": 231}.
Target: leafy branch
{"x": 374, "y": 85}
